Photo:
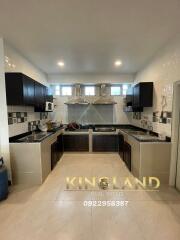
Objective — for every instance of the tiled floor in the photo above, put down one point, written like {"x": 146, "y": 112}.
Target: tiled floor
{"x": 51, "y": 212}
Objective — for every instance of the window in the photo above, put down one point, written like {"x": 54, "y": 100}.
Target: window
{"x": 90, "y": 91}
{"x": 66, "y": 91}
{"x": 57, "y": 90}
{"x": 125, "y": 88}
{"x": 115, "y": 90}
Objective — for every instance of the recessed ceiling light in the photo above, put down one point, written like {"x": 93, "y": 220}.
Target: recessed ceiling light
{"x": 61, "y": 63}
{"x": 118, "y": 63}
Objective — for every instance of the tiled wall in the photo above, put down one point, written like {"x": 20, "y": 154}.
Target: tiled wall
{"x": 163, "y": 70}
{"x": 21, "y": 118}
{"x": 102, "y": 114}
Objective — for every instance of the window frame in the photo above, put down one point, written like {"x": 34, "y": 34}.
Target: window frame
{"x": 57, "y": 90}
{"x": 69, "y": 86}
{"x": 90, "y": 94}
{"x": 128, "y": 85}
{"x": 116, "y": 95}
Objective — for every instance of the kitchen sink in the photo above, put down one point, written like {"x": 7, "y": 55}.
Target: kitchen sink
{"x": 134, "y": 132}
{"x": 34, "y": 137}
{"x": 145, "y": 137}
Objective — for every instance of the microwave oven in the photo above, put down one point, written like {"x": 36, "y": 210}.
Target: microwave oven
{"x": 49, "y": 107}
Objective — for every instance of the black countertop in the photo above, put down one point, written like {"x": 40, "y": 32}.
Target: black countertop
{"x": 16, "y": 139}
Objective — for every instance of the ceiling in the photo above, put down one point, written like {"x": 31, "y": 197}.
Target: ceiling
{"x": 89, "y": 35}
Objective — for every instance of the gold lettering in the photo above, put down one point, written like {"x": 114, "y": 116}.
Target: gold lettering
{"x": 128, "y": 183}
{"x": 70, "y": 182}
{"x": 91, "y": 182}
{"x": 140, "y": 183}
{"x": 151, "y": 179}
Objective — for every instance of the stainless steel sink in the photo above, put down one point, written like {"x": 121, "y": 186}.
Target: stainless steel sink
{"x": 145, "y": 137}
{"x": 134, "y": 132}
{"x": 34, "y": 137}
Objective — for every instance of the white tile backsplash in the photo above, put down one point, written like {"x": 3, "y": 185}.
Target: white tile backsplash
{"x": 19, "y": 128}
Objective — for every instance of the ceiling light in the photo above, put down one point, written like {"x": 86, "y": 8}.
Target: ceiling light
{"x": 61, "y": 64}
{"x": 118, "y": 63}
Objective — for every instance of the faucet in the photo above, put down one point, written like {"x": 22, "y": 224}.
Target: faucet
{"x": 33, "y": 129}
{"x": 149, "y": 127}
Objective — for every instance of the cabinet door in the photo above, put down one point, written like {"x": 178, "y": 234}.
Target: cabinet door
{"x": 105, "y": 143}
{"x": 136, "y": 96}
{"x": 14, "y": 89}
{"x": 76, "y": 143}
{"x": 121, "y": 145}
{"x": 127, "y": 155}
{"x": 28, "y": 90}
{"x": 48, "y": 95}
{"x": 39, "y": 97}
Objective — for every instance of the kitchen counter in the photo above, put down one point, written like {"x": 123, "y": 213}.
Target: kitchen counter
{"x": 31, "y": 161}
{"x": 142, "y": 136}
{"x": 148, "y": 158}
{"x": 38, "y": 137}
{"x": 76, "y": 132}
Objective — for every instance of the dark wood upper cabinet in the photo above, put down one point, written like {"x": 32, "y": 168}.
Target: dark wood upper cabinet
{"x": 23, "y": 90}
{"x": 40, "y": 97}
{"x": 143, "y": 95}
{"x": 49, "y": 95}
{"x": 19, "y": 89}
{"x": 139, "y": 96}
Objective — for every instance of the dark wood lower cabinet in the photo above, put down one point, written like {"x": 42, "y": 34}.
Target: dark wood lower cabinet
{"x": 121, "y": 145}
{"x": 105, "y": 143}
{"x": 57, "y": 150}
{"x": 127, "y": 155}
{"x": 76, "y": 143}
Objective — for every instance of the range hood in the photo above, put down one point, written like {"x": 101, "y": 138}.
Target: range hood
{"x": 78, "y": 99}
{"x": 104, "y": 99}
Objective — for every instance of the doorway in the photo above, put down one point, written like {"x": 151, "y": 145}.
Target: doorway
{"x": 175, "y": 154}
{"x": 178, "y": 157}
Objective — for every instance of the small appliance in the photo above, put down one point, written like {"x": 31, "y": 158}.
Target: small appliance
{"x": 49, "y": 107}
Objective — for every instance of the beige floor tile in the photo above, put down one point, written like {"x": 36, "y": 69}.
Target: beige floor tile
{"x": 157, "y": 219}
{"x": 50, "y": 211}
{"x": 115, "y": 223}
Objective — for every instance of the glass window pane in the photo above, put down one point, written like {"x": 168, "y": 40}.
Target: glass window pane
{"x": 66, "y": 91}
{"x": 90, "y": 91}
{"x": 116, "y": 91}
{"x": 57, "y": 90}
{"x": 125, "y": 88}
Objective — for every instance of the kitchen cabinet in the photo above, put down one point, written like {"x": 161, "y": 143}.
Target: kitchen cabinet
{"x": 127, "y": 155}
{"x": 40, "y": 96}
{"x": 31, "y": 162}
{"x": 121, "y": 145}
{"x": 143, "y": 95}
{"x": 76, "y": 143}
{"x": 105, "y": 143}
{"x": 55, "y": 154}
{"x": 48, "y": 95}
{"x": 57, "y": 149}
{"x": 24, "y": 91}
{"x": 139, "y": 96}
{"x": 19, "y": 89}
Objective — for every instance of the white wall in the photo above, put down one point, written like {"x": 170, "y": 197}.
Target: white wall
{"x": 21, "y": 64}
{"x": 90, "y": 78}
{"x": 18, "y": 63}
{"x": 163, "y": 70}
{"x": 4, "y": 135}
